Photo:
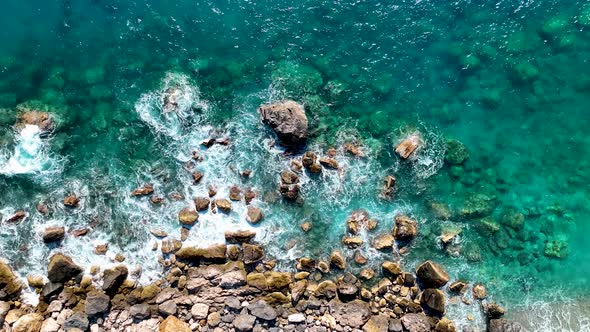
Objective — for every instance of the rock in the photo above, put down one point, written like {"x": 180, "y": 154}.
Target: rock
{"x": 78, "y": 320}
{"x": 10, "y": 286}
{"x": 140, "y": 311}
{"x": 16, "y": 217}
{"x": 405, "y": 228}
{"x": 235, "y": 193}
{"x": 409, "y": 145}
{"x": 170, "y": 246}
{"x": 61, "y": 268}
{"x": 158, "y": 232}
{"x": 252, "y": 253}
{"x": 223, "y": 205}
{"x": 359, "y": 258}
{"x": 188, "y": 216}
{"x": 35, "y": 281}
{"x": 432, "y": 275}
{"x": 383, "y": 242}
{"x": 353, "y": 149}
{"x": 173, "y": 324}
{"x": 395, "y": 325}
{"x": 456, "y": 153}
{"x": 353, "y": 314}
{"x": 114, "y": 278}
{"x": 97, "y": 303}
{"x": 391, "y": 269}
{"x": 329, "y": 163}
{"x": 458, "y": 287}
{"x": 289, "y": 192}
{"x": 167, "y": 308}
{"x": 240, "y": 236}
{"x": 72, "y": 201}
{"x": 197, "y": 176}
{"x": 202, "y": 203}
{"x": 288, "y": 120}
{"x": 378, "y": 323}
{"x": 352, "y": 241}
{"x": 326, "y": 289}
{"x": 146, "y": 189}
{"x": 504, "y": 325}
{"x": 445, "y": 325}
{"x": 249, "y": 195}
{"x": 358, "y": 220}
{"x": 338, "y": 260}
{"x": 449, "y": 233}
{"x": 28, "y": 323}
{"x": 310, "y": 162}
{"x": 50, "y": 325}
{"x": 277, "y": 280}
{"x": 306, "y": 264}
{"x": 213, "y": 253}
{"x": 244, "y": 322}
{"x": 254, "y": 215}
{"x": 288, "y": 177}
{"x": 479, "y": 292}
{"x": 214, "y": 319}
{"x": 200, "y": 311}
{"x": 416, "y": 322}
{"x": 389, "y": 186}
{"x": 156, "y": 200}
{"x": 101, "y": 249}
{"x": 433, "y": 300}
{"x": 37, "y": 118}
{"x": 261, "y": 310}
{"x": 296, "y": 318}
{"x": 298, "y": 290}
{"x": 51, "y": 289}
{"x": 306, "y": 226}
{"x": 53, "y": 234}
{"x": 211, "y": 190}
{"x": 494, "y": 310}
{"x": 80, "y": 232}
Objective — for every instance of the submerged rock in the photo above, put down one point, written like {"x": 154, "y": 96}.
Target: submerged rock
{"x": 17, "y": 216}
{"x": 288, "y": 120}
{"x": 409, "y": 145}
{"x": 456, "y": 153}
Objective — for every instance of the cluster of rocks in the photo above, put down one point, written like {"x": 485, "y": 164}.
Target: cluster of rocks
{"x": 235, "y": 288}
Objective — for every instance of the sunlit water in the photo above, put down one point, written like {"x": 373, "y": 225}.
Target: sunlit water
{"x": 510, "y": 80}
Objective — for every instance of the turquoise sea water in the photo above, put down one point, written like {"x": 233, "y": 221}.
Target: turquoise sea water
{"x": 510, "y": 80}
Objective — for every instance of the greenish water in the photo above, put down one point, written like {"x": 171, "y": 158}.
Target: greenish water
{"x": 508, "y": 79}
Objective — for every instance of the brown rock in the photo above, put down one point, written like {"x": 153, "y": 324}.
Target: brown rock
{"x": 494, "y": 310}
{"x": 246, "y": 173}
{"x": 214, "y": 253}
{"x": 202, "y": 203}
{"x": 445, "y": 325}
{"x": 288, "y": 120}
{"x": 61, "y": 268}
{"x": 298, "y": 290}
{"x": 306, "y": 226}
{"x": 249, "y": 195}
{"x": 240, "y": 236}
{"x": 409, "y": 145}
{"x": 383, "y": 242}
{"x": 432, "y": 275}
{"x": 37, "y": 118}
{"x": 327, "y": 289}
{"x": 235, "y": 193}
{"x": 358, "y": 220}
{"x": 197, "y": 176}
{"x": 158, "y": 232}
{"x": 367, "y": 273}
{"x": 352, "y": 241}
{"x": 43, "y": 209}
{"x": 359, "y": 258}
{"x": 10, "y": 285}
{"x": 434, "y": 300}
{"x": 212, "y": 191}
{"x": 173, "y": 324}
{"x": 252, "y": 253}
{"x": 309, "y": 159}
{"x": 338, "y": 260}
{"x": 80, "y": 232}
{"x": 170, "y": 246}
{"x": 188, "y": 216}
{"x": 17, "y": 216}
{"x": 288, "y": 177}
{"x": 479, "y": 292}
{"x": 329, "y": 163}
{"x": 257, "y": 280}
{"x": 389, "y": 188}
{"x": 156, "y": 200}
{"x": 416, "y": 322}
{"x": 353, "y": 314}
{"x": 378, "y": 323}
{"x": 289, "y": 192}
{"x": 72, "y": 201}
{"x": 28, "y": 323}
{"x": 223, "y": 205}
{"x": 391, "y": 269}
{"x": 254, "y": 215}
{"x": 458, "y": 287}
{"x": 405, "y": 228}
{"x": 278, "y": 280}
{"x": 353, "y": 149}
{"x": 53, "y": 234}
{"x": 146, "y": 189}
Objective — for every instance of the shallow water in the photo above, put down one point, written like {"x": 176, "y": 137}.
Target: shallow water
{"x": 510, "y": 80}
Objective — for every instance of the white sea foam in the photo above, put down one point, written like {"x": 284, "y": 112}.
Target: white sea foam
{"x": 30, "y": 155}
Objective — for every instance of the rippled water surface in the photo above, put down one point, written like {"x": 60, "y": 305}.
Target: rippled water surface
{"x": 509, "y": 80}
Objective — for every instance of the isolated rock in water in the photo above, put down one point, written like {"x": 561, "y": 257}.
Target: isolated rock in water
{"x": 17, "y": 216}
{"x": 52, "y": 234}
{"x": 61, "y": 268}
{"x": 72, "y": 201}
{"x": 41, "y": 119}
{"x": 9, "y": 284}
{"x": 188, "y": 216}
{"x": 389, "y": 186}
{"x": 479, "y": 292}
{"x": 329, "y": 163}
{"x": 146, "y": 189}
{"x": 405, "y": 228}
{"x": 383, "y": 242}
{"x": 254, "y": 215}
{"x": 409, "y": 145}
{"x": 337, "y": 259}
{"x": 223, "y": 205}
{"x": 359, "y": 219}
{"x": 353, "y": 149}
{"x": 432, "y": 275}
{"x": 202, "y": 203}
{"x": 288, "y": 120}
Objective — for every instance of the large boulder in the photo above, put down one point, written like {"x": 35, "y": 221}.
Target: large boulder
{"x": 353, "y": 314}
{"x": 214, "y": 253}
{"x": 378, "y": 323}
{"x": 288, "y": 120}
{"x": 28, "y": 323}
{"x": 432, "y": 275}
{"x": 239, "y": 236}
{"x": 252, "y": 253}
{"x": 416, "y": 322}
{"x": 97, "y": 303}
{"x": 10, "y": 287}
{"x": 433, "y": 300}
{"x": 262, "y": 310}
{"x": 53, "y": 234}
{"x": 114, "y": 278}
{"x": 173, "y": 324}
{"x": 405, "y": 228}
{"x": 61, "y": 268}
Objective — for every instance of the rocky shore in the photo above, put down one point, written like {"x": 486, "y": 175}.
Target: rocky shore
{"x": 234, "y": 288}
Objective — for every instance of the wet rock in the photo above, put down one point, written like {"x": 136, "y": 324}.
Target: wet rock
{"x": 211, "y": 190}
{"x": 114, "y": 278}
{"x": 445, "y": 325}
{"x": 197, "y": 177}
{"x": 310, "y": 162}
{"x": 432, "y": 275}
{"x": 188, "y": 216}
{"x": 261, "y": 310}
{"x": 254, "y": 215}
{"x": 416, "y": 322}
{"x": 504, "y": 325}
{"x": 158, "y": 232}
{"x": 405, "y": 228}
{"x": 277, "y": 281}
{"x": 288, "y": 120}
{"x": 173, "y": 324}
{"x": 72, "y": 201}
{"x": 240, "y": 236}
{"x": 477, "y": 206}
{"x": 306, "y": 226}
{"x": 391, "y": 269}
{"x": 37, "y": 118}
{"x": 359, "y": 258}
{"x": 28, "y": 323}
{"x": 352, "y": 241}
{"x": 290, "y": 192}
{"x": 456, "y": 153}
{"x": 556, "y": 248}
{"x": 298, "y": 290}
{"x": 170, "y": 246}
{"x": 244, "y": 322}
{"x": 433, "y": 300}
{"x": 146, "y": 189}
{"x": 367, "y": 273}
{"x": 458, "y": 287}
{"x": 288, "y": 177}
{"x": 10, "y": 286}
{"x": 329, "y": 163}
{"x": 156, "y": 200}
{"x": 61, "y": 268}
{"x": 389, "y": 186}
{"x": 479, "y": 292}
{"x": 409, "y": 145}
{"x": 249, "y": 195}
{"x": 235, "y": 193}
{"x": 494, "y": 310}
{"x": 378, "y": 323}
{"x": 252, "y": 253}
{"x": 97, "y": 303}
{"x": 43, "y": 209}
{"x": 80, "y": 232}
{"x": 306, "y": 264}
{"x": 353, "y": 149}
{"x": 383, "y": 242}
{"x": 353, "y": 314}
{"x": 211, "y": 254}
{"x": 223, "y": 205}
{"x": 358, "y": 220}
{"x": 53, "y": 234}
{"x": 449, "y": 233}
{"x": 35, "y": 281}
{"x": 202, "y": 203}
{"x": 338, "y": 260}
{"x": 101, "y": 249}
{"x": 16, "y": 217}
